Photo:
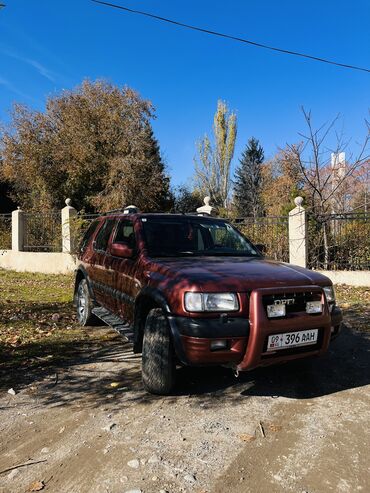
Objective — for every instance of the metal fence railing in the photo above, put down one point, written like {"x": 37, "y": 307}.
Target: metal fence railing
{"x": 5, "y": 231}
{"x": 271, "y": 231}
{"x": 339, "y": 241}
{"x": 335, "y": 241}
{"x": 42, "y": 232}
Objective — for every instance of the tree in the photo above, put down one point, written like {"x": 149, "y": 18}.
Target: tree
{"x": 282, "y": 181}
{"x": 93, "y": 144}
{"x": 212, "y": 165}
{"x": 324, "y": 177}
{"x": 187, "y": 200}
{"x": 6, "y": 203}
{"x": 248, "y": 180}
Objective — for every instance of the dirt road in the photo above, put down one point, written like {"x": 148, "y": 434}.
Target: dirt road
{"x": 301, "y": 427}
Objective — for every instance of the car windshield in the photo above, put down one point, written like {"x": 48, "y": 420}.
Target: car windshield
{"x": 192, "y": 236}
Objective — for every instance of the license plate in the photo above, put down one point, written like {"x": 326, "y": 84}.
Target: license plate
{"x": 292, "y": 339}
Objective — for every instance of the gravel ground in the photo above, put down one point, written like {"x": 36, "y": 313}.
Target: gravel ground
{"x": 301, "y": 427}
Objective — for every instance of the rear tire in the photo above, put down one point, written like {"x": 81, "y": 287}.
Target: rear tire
{"x": 158, "y": 361}
{"x": 85, "y": 305}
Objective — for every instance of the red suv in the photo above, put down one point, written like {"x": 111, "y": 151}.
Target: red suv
{"x": 192, "y": 290}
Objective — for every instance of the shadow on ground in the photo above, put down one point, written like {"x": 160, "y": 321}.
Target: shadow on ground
{"x": 108, "y": 373}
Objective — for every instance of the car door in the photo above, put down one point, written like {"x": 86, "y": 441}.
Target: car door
{"x": 101, "y": 276}
{"x": 125, "y": 269}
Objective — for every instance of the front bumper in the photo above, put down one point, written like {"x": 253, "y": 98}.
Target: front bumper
{"x": 247, "y": 339}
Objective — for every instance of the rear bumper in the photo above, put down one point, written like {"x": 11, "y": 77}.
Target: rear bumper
{"x": 246, "y": 340}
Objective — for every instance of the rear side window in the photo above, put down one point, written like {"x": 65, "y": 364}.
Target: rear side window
{"x": 88, "y": 234}
{"x": 102, "y": 237}
{"x": 125, "y": 233}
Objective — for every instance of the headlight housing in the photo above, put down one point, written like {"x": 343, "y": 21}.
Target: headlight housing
{"x": 329, "y": 293}
{"x": 211, "y": 302}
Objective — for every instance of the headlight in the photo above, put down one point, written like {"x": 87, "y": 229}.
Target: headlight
{"x": 329, "y": 293}
{"x": 211, "y": 302}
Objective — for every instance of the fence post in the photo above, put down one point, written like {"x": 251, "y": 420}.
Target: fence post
{"x": 18, "y": 227}
{"x": 298, "y": 240}
{"x": 68, "y": 212}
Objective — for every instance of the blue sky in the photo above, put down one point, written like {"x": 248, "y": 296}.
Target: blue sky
{"x": 48, "y": 45}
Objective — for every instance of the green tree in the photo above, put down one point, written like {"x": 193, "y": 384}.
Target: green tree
{"x": 187, "y": 200}
{"x": 212, "y": 165}
{"x": 248, "y": 180}
{"x": 93, "y": 144}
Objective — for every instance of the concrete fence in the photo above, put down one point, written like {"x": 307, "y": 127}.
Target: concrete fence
{"x": 64, "y": 261}
{"x": 45, "y": 262}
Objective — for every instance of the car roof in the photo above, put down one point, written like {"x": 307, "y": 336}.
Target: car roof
{"x": 139, "y": 215}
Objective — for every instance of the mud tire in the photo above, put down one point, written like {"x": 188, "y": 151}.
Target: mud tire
{"x": 158, "y": 359}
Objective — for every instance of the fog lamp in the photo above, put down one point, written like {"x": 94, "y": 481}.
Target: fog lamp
{"x": 277, "y": 310}
{"x": 218, "y": 345}
{"x": 313, "y": 307}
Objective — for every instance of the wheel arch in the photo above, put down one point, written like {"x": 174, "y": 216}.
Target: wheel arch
{"x": 81, "y": 274}
{"x": 148, "y": 299}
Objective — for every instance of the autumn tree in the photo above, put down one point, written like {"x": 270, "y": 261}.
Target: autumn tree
{"x": 248, "y": 180}
{"x": 212, "y": 164}
{"x": 93, "y": 144}
{"x": 323, "y": 180}
{"x": 282, "y": 181}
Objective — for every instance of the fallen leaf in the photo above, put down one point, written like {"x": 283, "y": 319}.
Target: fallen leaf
{"x": 37, "y": 486}
{"x": 247, "y": 438}
{"x": 115, "y": 384}
{"x": 275, "y": 428}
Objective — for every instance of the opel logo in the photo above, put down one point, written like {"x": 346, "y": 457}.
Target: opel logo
{"x": 286, "y": 301}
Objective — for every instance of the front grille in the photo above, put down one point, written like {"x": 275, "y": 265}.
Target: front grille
{"x": 294, "y": 350}
{"x": 300, "y": 300}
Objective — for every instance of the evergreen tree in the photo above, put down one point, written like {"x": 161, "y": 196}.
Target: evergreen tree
{"x": 154, "y": 166}
{"x": 248, "y": 180}
{"x": 187, "y": 199}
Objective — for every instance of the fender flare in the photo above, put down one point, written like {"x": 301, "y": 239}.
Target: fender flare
{"x": 147, "y": 298}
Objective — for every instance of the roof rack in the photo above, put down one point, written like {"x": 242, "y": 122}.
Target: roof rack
{"x": 130, "y": 209}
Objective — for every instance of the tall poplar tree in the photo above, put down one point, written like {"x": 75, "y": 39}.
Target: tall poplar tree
{"x": 212, "y": 165}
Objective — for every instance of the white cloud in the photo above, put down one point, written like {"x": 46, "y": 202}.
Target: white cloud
{"x": 42, "y": 70}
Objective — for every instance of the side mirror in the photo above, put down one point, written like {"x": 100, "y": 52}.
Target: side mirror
{"x": 261, "y": 247}
{"x": 121, "y": 250}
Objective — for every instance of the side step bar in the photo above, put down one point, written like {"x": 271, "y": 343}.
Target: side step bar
{"x": 115, "y": 322}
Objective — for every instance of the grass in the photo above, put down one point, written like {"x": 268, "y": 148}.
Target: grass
{"x": 355, "y": 303}
{"x": 38, "y": 326}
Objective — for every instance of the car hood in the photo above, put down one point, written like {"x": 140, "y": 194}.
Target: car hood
{"x": 238, "y": 273}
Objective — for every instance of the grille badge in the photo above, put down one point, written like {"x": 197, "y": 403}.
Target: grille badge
{"x": 285, "y": 301}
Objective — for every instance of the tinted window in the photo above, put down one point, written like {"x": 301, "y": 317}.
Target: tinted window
{"x": 88, "y": 234}
{"x": 125, "y": 233}
{"x": 180, "y": 236}
{"x": 102, "y": 237}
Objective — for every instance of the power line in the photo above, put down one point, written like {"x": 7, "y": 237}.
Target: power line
{"x": 228, "y": 36}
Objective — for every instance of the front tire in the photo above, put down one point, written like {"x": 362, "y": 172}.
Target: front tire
{"x": 84, "y": 305}
{"x": 158, "y": 361}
